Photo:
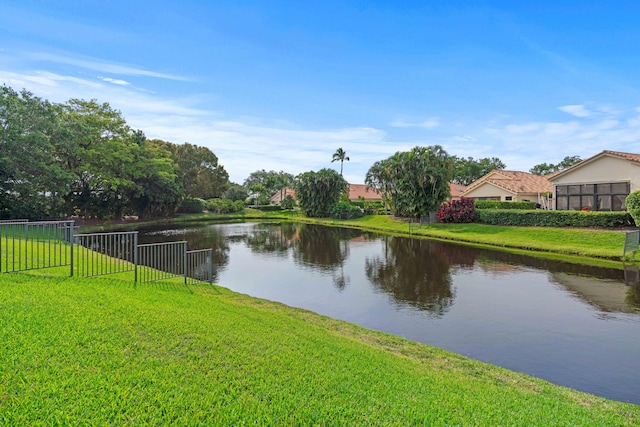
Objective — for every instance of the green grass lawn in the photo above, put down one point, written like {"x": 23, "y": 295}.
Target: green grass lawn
{"x": 104, "y": 350}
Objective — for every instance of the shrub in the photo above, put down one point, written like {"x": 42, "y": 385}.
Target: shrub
{"x": 633, "y": 206}
{"x": 224, "y": 206}
{"x": 268, "y": 208}
{"x": 370, "y": 207}
{"x": 542, "y": 218}
{"x": 288, "y": 202}
{"x": 457, "y": 211}
{"x": 345, "y": 210}
{"x": 191, "y": 205}
{"x": 496, "y": 204}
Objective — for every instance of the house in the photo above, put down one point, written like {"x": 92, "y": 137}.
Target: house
{"x": 599, "y": 183}
{"x": 360, "y": 190}
{"x": 277, "y": 198}
{"x": 369, "y": 194}
{"x": 509, "y": 186}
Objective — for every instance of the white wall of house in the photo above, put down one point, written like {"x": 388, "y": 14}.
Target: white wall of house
{"x": 489, "y": 190}
{"x": 602, "y": 170}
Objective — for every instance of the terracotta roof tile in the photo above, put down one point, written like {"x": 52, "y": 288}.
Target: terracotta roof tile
{"x": 357, "y": 190}
{"x": 627, "y": 156}
{"x": 514, "y": 181}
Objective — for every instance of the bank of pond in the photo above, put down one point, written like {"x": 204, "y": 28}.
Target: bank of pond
{"x": 105, "y": 350}
{"x": 571, "y": 324}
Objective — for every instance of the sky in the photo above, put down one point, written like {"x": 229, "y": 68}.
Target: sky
{"x": 280, "y": 85}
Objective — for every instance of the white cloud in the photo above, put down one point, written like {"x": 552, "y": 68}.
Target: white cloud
{"x": 115, "y": 81}
{"x": 103, "y": 66}
{"x": 430, "y": 123}
{"x": 576, "y": 110}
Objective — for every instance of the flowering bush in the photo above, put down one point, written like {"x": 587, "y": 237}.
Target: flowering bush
{"x": 458, "y": 211}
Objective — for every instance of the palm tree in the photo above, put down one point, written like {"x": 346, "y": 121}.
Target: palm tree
{"x": 341, "y": 155}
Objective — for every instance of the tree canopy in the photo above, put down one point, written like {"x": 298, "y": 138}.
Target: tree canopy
{"x": 317, "y": 192}
{"x": 413, "y": 183}
{"x": 340, "y": 156}
{"x": 543, "y": 169}
{"x": 466, "y": 171}
{"x": 81, "y": 157}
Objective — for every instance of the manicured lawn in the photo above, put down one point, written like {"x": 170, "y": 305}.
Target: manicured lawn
{"x": 103, "y": 351}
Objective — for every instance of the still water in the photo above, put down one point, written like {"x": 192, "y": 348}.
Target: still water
{"x": 569, "y": 324}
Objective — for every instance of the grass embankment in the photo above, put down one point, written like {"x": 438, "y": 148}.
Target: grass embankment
{"x": 104, "y": 351}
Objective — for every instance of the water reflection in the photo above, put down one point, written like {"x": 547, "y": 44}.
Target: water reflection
{"x": 323, "y": 248}
{"x": 272, "y": 239}
{"x": 197, "y": 238}
{"x": 414, "y": 272}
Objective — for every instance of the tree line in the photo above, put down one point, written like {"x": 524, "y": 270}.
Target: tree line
{"x": 81, "y": 158}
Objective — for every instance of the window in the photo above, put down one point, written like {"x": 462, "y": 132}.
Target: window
{"x": 601, "y": 197}
{"x": 508, "y": 198}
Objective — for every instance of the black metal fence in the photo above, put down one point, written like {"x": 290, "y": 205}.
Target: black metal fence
{"x": 165, "y": 260}
{"x": 106, "y": 253}
{"x": 631, "y": 242}
{"x": 34, "y": 245}
{"x": 199, "y": 266}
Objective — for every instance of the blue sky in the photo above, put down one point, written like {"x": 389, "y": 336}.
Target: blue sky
{"x": 282, "y": 84}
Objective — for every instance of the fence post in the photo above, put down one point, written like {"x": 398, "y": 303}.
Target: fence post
{"x": 185, "y": 263}
{"x": 135, "y": 258}
{"x": 71, "y": 243}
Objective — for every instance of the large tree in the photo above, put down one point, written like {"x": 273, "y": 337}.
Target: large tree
{"x": 96, "y": 145}
{"x": 200, "y": 172}
{"x": 318, "y": 191}
{"x": 414, "y": 183}
{"x": 268, "y": 183}
{"x": 33, "y": 180}
{"x": 466, "y": 171}
{"x": 543, "y": 169}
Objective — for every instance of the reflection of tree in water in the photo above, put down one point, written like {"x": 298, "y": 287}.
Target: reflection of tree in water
{"x": 274, "y": 239}
{"x": 413, "y": 272}
{"x": 197, "y": 238}
{"x": 320, "y": 247}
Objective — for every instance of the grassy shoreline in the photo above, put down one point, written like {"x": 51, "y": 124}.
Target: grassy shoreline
{"x": 105, "y": 351}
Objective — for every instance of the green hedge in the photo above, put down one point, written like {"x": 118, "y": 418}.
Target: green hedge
{"x": 496, "y": 204}
{"x": 542, "y": 218}
{"x": 224, "y": 206}
{"x": 190, "y": 205}
{"x": 267, "y": 208}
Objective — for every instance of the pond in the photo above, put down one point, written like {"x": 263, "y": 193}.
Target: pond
{"x": 573, "y": 325}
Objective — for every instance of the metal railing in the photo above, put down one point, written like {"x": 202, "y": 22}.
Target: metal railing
{"x": 12, "y": 221}
{"x": 35, "y": 245}
{"x": 108, "y": 253}
{"x": 631, "y": 242}
{"x": 199, "y": 266}
{"x": 165, "y": 260}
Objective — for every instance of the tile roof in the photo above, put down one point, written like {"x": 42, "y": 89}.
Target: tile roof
{"x": 627, "y": 156}
{"x": 456, "y": 190}
{"x": 514, "y": 181}
{"x": 357, "y": 190}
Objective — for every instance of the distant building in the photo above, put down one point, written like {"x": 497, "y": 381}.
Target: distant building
{"x": 509, "y": 186}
